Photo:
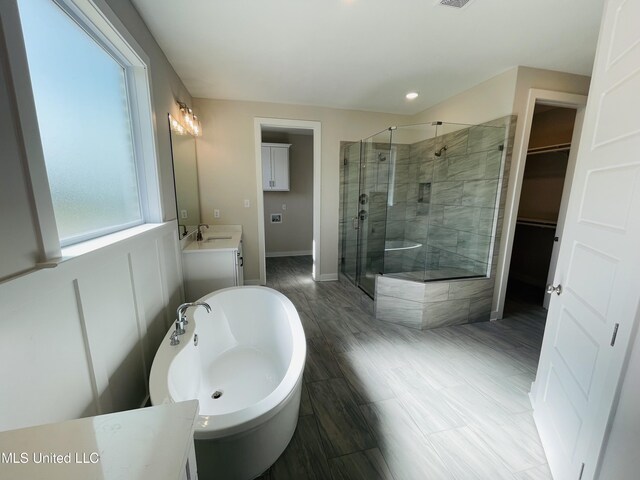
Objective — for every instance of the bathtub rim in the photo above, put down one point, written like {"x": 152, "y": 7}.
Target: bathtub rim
{"x": 243, "y": 420}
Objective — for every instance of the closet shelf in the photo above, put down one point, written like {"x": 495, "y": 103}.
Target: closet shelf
{"x": 533, "y": 222}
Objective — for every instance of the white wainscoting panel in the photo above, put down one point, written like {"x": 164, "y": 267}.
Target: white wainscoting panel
{"x": 79, "y": 339}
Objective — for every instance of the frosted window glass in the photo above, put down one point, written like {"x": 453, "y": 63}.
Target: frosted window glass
{"x": 83, "y": 114}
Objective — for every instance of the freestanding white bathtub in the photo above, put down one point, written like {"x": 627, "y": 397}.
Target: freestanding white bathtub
{"x": 244, "y": 363}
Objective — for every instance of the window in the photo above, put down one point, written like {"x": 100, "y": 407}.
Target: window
{"x": 85, "y": 97}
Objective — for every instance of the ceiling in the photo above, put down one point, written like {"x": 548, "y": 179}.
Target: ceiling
{"x": 365, "y": 54}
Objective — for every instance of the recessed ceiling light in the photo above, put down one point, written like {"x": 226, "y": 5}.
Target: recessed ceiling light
{"x": 412, "y": 95}
{"x": 453, "y": 3}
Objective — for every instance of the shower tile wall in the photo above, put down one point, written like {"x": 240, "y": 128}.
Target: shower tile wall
{"x": 451, "y": 203}
{"x": 397, "y": 201}
{"x": 455, "y": 239}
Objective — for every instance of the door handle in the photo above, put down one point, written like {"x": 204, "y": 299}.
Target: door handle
{"x": 552, "y": 288}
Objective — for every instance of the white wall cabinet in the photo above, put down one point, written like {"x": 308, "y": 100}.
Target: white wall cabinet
{"x": 275, "y": 167}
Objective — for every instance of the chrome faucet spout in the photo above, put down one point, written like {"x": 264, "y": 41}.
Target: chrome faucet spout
{"x": 199, "y": 234}
{"x": 181, "y": 315}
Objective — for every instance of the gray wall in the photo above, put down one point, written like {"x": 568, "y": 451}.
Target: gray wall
{"x": 295, "y": 233}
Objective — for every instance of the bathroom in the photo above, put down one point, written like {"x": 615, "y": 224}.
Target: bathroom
{"x": 82, "y": 323}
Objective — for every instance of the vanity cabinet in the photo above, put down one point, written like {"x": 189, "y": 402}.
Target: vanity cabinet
{"x": 275, "y": 167}
{"x": 215, "y": 262}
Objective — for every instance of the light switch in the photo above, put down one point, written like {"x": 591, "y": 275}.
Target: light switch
{"x": 284, "y": 206}
{"x": 183, "y": 214}
{"x": 247, "y": 203}
{"x": 216, "y": 213}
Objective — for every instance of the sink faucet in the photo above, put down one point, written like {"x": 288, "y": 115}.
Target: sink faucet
{"x": 199, "y": 234}
{"x": 181, "y": 319}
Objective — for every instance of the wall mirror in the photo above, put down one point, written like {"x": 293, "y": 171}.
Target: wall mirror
{"x": 185, "y": 176}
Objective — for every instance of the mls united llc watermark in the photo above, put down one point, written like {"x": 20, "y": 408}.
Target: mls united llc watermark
{"x": 50, "y": 457}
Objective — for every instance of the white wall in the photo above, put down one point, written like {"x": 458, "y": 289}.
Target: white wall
{"x": 227, "y": 166}
{"x": 78, "y": 339}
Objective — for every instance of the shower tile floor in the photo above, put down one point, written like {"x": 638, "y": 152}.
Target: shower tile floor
{"x": 386, "y": 401}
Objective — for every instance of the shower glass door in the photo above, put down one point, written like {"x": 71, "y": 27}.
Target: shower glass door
{"x": 375, "y": 163}
{"x": 350, "y": 223}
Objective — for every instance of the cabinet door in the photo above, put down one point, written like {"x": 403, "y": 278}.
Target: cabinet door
{"x": 280, "y": 165}
{"x": 267, "y": 178}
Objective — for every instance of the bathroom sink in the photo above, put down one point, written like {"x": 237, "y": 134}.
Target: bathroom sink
{"x": 213, "y": 239}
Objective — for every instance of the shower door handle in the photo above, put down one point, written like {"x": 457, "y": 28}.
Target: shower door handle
{"x": 356, "y": 223}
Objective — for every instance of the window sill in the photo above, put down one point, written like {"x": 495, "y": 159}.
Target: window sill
{"x": 83, "y": 248}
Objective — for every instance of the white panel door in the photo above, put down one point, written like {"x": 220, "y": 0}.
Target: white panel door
{"x": 599, "y": 262}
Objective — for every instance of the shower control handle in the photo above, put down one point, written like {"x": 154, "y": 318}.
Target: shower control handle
{"x": 552, "y": 288}
{"x": 363, "y": 214}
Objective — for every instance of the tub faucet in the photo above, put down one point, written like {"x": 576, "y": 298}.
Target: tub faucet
{"x": 199, "y": 234}
{"x": 181, "y": 319}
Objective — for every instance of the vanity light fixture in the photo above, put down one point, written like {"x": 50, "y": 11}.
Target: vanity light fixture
{"x": 412, "y": 95}
{"x": 176, "y": 126}
{"x": 189, "y": 121}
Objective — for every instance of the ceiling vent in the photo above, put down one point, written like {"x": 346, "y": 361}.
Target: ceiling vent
{"x": 454, "y": 3}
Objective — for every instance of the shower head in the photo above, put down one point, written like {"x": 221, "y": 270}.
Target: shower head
{"x": 439, "y": 152}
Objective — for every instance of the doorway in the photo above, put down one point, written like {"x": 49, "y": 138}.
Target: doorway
{"x": 281, "y": 211}
{"x": 534, "y": 251}
{"x": 287, "y": 194}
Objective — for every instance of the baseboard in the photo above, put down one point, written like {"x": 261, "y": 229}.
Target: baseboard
{"x": 328, "y": 277}
{"x": 255, "y": 281}
{"x": 294, "y": 253}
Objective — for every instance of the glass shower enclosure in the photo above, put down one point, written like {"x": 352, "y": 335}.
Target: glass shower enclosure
{"x": 420, "y": 202}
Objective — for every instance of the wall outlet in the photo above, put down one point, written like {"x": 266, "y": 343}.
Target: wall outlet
{"x": 284, "y": 206}
{"x": 247, "y": 203}
{"x": 216, "y": 213}
{"x": 183, "y": 214}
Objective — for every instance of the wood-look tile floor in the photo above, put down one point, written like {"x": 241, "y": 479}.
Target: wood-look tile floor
{"x": 385, "y": 401}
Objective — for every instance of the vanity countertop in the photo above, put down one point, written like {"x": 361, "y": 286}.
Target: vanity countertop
{"x": 215, "y": 241}
{"x": 153, "y": 442}
{"x": 217, "y": 237}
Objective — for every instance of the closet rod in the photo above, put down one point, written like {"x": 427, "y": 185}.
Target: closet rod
{"x": 562, "y": 147}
